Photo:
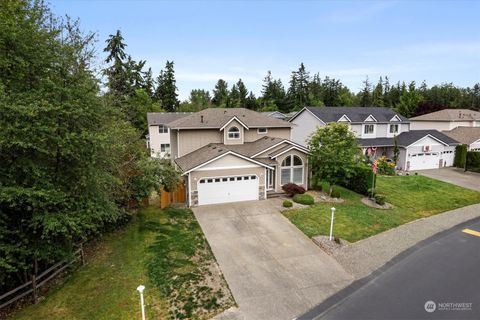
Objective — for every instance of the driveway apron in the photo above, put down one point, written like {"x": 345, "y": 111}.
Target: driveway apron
{"x": 469, "y": 180}
{"x": 273, "y": 270}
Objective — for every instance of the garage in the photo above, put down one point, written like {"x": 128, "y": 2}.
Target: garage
{"x": 424, "y": 160}
{"x": 214, "y": 190}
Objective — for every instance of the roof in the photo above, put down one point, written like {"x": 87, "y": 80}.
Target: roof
{"x": 449, "y": 115}
{"x": 465, "y": 135}
{"x": 216, "y": 118}
{"x": 274, "y": 114}
{"x": 355, "y": 114}
{"x": 407, "y": 138}
{"x": 157, "y": 118}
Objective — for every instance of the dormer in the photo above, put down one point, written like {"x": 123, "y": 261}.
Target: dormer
{"x": 344, "y": 118}
{"x": 234, "y": 131}
{"x": 395, "y": 118}
{"x": 370, "y": 118}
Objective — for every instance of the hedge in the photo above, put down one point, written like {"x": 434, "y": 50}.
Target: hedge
{"x": 460, "y": 156}
{"x": 303, "y": 199}
{"x": 360, "y": 181}
{"x": 473, "y": 161}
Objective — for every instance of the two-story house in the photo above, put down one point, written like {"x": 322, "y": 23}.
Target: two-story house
{"x": 235, "y": 154}
{"x": 377, "y": 129}
{"x": 158, "y": 138}
{"x": 447, "y": 119}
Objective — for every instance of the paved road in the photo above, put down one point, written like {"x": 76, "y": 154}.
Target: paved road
{"x": 273, "y": 270}
{"x": 470, "y": 180}
{"x": 444, "y": 269}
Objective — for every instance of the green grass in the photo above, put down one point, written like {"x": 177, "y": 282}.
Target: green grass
{"x": 163, "y": 249}
{"x": 414, "y": 197}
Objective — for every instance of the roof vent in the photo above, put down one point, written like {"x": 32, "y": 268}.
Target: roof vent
{"x": 220, "y": 150}
{"x": 214, "y": 147}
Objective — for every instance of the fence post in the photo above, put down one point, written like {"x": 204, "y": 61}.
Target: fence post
{"x": 34, "y": 287}
{"x": 82, "y": 255}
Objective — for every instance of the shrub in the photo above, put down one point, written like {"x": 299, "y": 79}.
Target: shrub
{"x": 336, "y": 193}
{"x": 303, "y": 199}
{"x": 292, "y": 189}
{"x": 380, "y": 199}
{"x": 361, "y": 180}
{"x": 473, "y": 161}
{"x": 460, "y": 156}
{"x": 385, "y": 167}
{"x": 287, "y": 204}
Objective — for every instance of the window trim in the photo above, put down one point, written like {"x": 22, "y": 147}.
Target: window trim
{"x": 265, "y": 132}
{"x": 237, "y": 132}
{"x": 367, "y": 125}
{"x": 390, "y": 126}
{"x": 291, "y": 168}
{"x": 164, "y": 146}
{"x": 163, "y": 127}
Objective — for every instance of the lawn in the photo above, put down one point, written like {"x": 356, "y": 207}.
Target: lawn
{"x": 413, "y": 197}
{"x": 163, "y": 249}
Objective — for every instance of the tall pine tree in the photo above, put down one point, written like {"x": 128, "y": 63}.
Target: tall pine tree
{"x": 166, "y": 92}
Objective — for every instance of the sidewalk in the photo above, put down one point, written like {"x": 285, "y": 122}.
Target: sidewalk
{"x": 365, "y": 256}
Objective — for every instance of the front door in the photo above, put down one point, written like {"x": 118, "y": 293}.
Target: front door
{"x": 270, "y": 179}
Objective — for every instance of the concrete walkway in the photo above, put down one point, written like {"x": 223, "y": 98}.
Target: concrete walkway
{"x": 365, "y": 256}
{"x": 459, "y": 177}
{"x": 273, "y": 270}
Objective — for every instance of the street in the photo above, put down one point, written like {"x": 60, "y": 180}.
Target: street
{"x": 440, "y": 274}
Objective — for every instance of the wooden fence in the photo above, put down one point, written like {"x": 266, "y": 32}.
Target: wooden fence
{"x": 37, "y": 281}
{"x": 177, "y": 196}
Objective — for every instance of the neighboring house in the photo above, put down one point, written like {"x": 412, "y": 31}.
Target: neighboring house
{"x": 275, "y": 114}
{"x": 446, "y": 119}
{"x": 466, "y": 135}
{"x": 235, "y": 154}
{"x": 376, "y": 129}
{"x": 158, "y": 138}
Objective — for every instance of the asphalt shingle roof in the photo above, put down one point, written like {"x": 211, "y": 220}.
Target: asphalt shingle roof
{"x": 465, "y": 135}
{"x": 355, "y": 114}
{"x": 449, "y": 115}
{"x": 218, "y": 117}
{"x": 405, "y": 139}
{"x": 157, "y": 118}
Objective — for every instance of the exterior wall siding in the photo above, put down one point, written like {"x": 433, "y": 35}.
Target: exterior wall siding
{"x": 253, "y": 135}
{"x": 191, "y": 140}
{"x": 242, "y": 130}
{"x": 156, "y": 139}
{"x": 304, "y": 125}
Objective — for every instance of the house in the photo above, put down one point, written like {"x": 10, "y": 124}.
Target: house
{"x": 158, "y": 138}
{"x": 466, "y": 135}
{"x": 447, "y": 119}
{"x": 235, "y": 154}
{"x": 275, "y": 114}
{"x": 376, "y": 129}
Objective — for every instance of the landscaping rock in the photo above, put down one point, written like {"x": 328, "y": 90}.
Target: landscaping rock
{"x": 329, "y": 246}
{"x": 319, "y": 196}
{"x": 371, "y": 203}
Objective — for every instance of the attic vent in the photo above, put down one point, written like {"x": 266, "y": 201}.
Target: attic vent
{"x": 201, "y": 119}
{"x": 224, "y": 111}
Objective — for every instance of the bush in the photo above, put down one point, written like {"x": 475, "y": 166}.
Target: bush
{"x": 460, "y": 158}
{"x": 287, "y": 204}
{"x": 380, "y": 199}
{"x": 473, "y": 161}
{"x": 361, "y": 180}
{"x": 292, "y": 189}
{"x": 303, "y": 199}
{"x": 385, "y": 167}
{"x": 336, "y": 193}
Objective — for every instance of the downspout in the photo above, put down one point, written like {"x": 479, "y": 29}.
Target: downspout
{"x": 178, "y": 143}
{"x": 189, "y": 192}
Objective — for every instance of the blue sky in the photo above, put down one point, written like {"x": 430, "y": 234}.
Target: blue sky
{"x": 436, "y": 41}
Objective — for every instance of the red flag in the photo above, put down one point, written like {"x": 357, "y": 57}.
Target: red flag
{"x": 374, "y": 167}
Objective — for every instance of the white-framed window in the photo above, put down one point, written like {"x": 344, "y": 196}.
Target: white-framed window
{"x": 291, "y": 170}
{"x": 262, "y": 130}
{"x": 393, "y": 128}
{"x": 162, "y": 129}
{"x": 165, "y": 147}
{"x": 233, "y": 133}
{"x": 369, "y": 129}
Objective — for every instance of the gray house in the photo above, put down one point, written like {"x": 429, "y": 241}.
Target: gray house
{"x": 376, "y": 129}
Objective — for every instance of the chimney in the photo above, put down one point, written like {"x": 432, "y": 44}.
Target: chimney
{"x": 201, "y": 119}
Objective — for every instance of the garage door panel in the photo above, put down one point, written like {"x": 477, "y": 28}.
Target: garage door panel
{"x": 227, "y": 189}
{"x": 422, "y": 161}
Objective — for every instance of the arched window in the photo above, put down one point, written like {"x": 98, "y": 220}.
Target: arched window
{"x": 292, "y": 170}
{"x": 233, "y": 133}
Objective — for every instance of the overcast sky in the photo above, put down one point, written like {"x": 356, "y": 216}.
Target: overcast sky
{"x": 436, "y": 41}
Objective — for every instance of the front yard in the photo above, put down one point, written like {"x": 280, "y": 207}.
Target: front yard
{"x": 413, "y": 197}
{"x": 163, "y": 249}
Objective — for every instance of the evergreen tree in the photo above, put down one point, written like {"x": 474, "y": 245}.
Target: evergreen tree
{"x": 251, "y": 102}
{"x": 366, "y": 94}
{"x": 149, "y": 83}
{"x": 409, "y": 101}
{"x": 242, "y": 93}
{"x": 234, "y": 97}
{"x": 116, "y": 74}
{"x": 166, "y": 92}
{"x": 298, "y": 95}
{"x": 220, "y": 94}
{"x": 378, "y": 94}
{"x": 273, "y": 94}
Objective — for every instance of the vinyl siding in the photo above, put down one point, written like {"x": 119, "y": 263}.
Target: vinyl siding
{"x": 304, "y": 125}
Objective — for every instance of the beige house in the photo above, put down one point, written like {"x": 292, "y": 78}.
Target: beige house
{"x": 466, "y": 135}
{"x": 447, "y": 119}
{"x": 229, "y": 155}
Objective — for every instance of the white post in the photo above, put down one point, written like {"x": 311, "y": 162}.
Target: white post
{"x": 140, "y": 289}
{"x": 331, "y": 223}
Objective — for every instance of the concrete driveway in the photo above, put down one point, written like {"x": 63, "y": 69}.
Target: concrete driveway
{"x": 274, "y": 271}
{"x": 470, "y": 180}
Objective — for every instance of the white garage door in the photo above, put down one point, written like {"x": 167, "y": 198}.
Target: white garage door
{"x": 425, "y": 160}
{"x": 227, "y": 189}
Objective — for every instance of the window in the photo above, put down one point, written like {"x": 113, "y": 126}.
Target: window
{"x": 262, "y": 130}
{"x": 233, "y": 133}
{"x": 369, "y": 129}
{"x": 162, "y": 129}
{"x": 165, "y": 147}
{"x": 291, "y": 170}
{"x": 394, "y": 128}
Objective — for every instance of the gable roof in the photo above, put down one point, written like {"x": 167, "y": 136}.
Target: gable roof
{"x": 408, "y": 138}
{"x": 464, "y": 135}
{"x": 449, "y": 115}
{"x": 216, "y": 118}
{"x": 159, "y": 118}
{"x": 355, "y": 114}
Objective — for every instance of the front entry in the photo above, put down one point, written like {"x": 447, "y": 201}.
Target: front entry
{"x": 270, "y": 179}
